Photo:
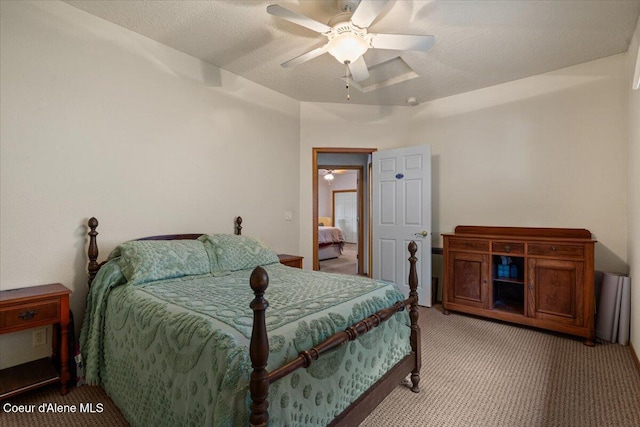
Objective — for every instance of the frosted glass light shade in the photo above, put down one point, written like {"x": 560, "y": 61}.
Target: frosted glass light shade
{"x": 347, "y": 47}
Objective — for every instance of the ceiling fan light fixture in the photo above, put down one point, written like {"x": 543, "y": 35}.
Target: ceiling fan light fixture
{"x": 329, "y": 176}
{"x": 347, "y": 47}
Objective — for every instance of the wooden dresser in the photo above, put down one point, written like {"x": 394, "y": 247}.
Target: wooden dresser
{"x": 27, "y": 308}
{"x": 541, "y": 277}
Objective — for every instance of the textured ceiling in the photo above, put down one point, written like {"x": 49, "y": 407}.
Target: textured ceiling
{"x": 478, "y": 43}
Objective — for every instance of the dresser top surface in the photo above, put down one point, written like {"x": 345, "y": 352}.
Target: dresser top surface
{"x": 522, "y": 233}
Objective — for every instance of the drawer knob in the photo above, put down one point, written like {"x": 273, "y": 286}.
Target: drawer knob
{"x": 28, "y": 315}
{"x": 507, "y": 249}
{"x": 553, "y": 249}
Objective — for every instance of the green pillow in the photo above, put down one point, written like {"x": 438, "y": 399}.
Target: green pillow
{"x": 229, "y": 252}
{"x": 144, "y": 261}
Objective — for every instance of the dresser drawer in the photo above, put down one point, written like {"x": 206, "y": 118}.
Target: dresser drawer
{"x": 468, "y": 245}
{"x": 508, "y": 247}
{"x": 47, "y": 311}
{"x": 553, "y": 250}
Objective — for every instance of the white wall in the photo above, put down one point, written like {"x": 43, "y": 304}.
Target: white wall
{"x": 100, "y": 121}
{"x": 348, "y": 125}
{"x": 634, "y": 191}
{"x": 545, "y": 151}
{"x": 347, "y": 181}
{"x": 97, "y": 120}
{"x": 324, "y": 198}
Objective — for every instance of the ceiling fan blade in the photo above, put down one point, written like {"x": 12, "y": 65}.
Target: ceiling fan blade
{"x": 359, "y": 71}
{"x": 402, "y": 42}
{"x": 297, "y": 18}
{"x": 305, "y": 56}
{"x": 367, "y": 11}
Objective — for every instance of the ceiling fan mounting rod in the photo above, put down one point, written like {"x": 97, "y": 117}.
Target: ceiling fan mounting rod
{"x": 347, "y": 5}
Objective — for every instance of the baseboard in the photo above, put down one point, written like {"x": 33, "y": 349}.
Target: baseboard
{"x": 634, "y": 355}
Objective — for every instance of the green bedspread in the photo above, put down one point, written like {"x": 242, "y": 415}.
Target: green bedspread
{"x": 175, "y": 352}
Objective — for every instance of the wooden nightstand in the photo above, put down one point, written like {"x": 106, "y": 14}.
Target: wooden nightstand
{"x": 291, "y": 260}
{"x": 27, "y": 308}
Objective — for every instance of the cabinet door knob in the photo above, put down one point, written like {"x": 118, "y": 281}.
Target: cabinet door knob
{"x": 553, "y": 249}
{"x": 28, "y": 315}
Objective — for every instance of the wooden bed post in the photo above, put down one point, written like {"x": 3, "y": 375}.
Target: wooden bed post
{"x": 238, "y": 226}
{"x": 93, "y": 250}
{"x": 259, "y": 350}
{"x": 413, "y": 315}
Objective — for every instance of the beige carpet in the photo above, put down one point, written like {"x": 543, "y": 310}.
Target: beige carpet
{"x": 475, "y": 372}
{"x": 109, "y": 417}
{"x": 485, "y": 373}
{"x": 346, "y": 263}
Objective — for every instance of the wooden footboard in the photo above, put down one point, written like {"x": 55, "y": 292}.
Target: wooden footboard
{"x": 261, "y": 379}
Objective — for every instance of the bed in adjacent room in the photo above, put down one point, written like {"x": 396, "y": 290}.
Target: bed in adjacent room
{"x": 330, "y": 240}
{"x": 177, "y": 331}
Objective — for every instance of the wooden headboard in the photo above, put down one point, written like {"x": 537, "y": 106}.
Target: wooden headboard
{"x": 94, "y": 266}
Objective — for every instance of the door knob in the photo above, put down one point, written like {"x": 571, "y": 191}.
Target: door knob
{"x": 423, "y": 233}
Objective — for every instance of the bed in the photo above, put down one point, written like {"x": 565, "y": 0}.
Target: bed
{"x": 330, "y": 242}
{"x": 203, "y": 349}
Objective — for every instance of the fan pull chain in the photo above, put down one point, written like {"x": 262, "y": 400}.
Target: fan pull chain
{"x": 346, "y": 64}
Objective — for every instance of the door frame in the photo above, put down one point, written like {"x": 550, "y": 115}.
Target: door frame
{"x": 360, "y": 198}
{"x": 361, "y": 209}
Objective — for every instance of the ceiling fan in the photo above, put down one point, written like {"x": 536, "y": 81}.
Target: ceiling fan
{"x": 327, "y": 173}
{"x": 330, "y": 174}
{"x": 348, "y": 35}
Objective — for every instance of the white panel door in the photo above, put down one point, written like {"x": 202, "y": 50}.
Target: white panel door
{"x": 345, "y": 205}
{"x": 402, "y": 213}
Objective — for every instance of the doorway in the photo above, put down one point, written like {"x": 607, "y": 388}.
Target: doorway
{"x": 354, "y": 160}
{"x": 339, "y": 205}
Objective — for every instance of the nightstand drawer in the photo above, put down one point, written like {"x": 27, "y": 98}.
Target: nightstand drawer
{"x": 26, "y": 308}
{"x": 25, "y": 315}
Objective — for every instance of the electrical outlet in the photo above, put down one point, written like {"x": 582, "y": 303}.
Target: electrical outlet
{"x": 39, "y": 336}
